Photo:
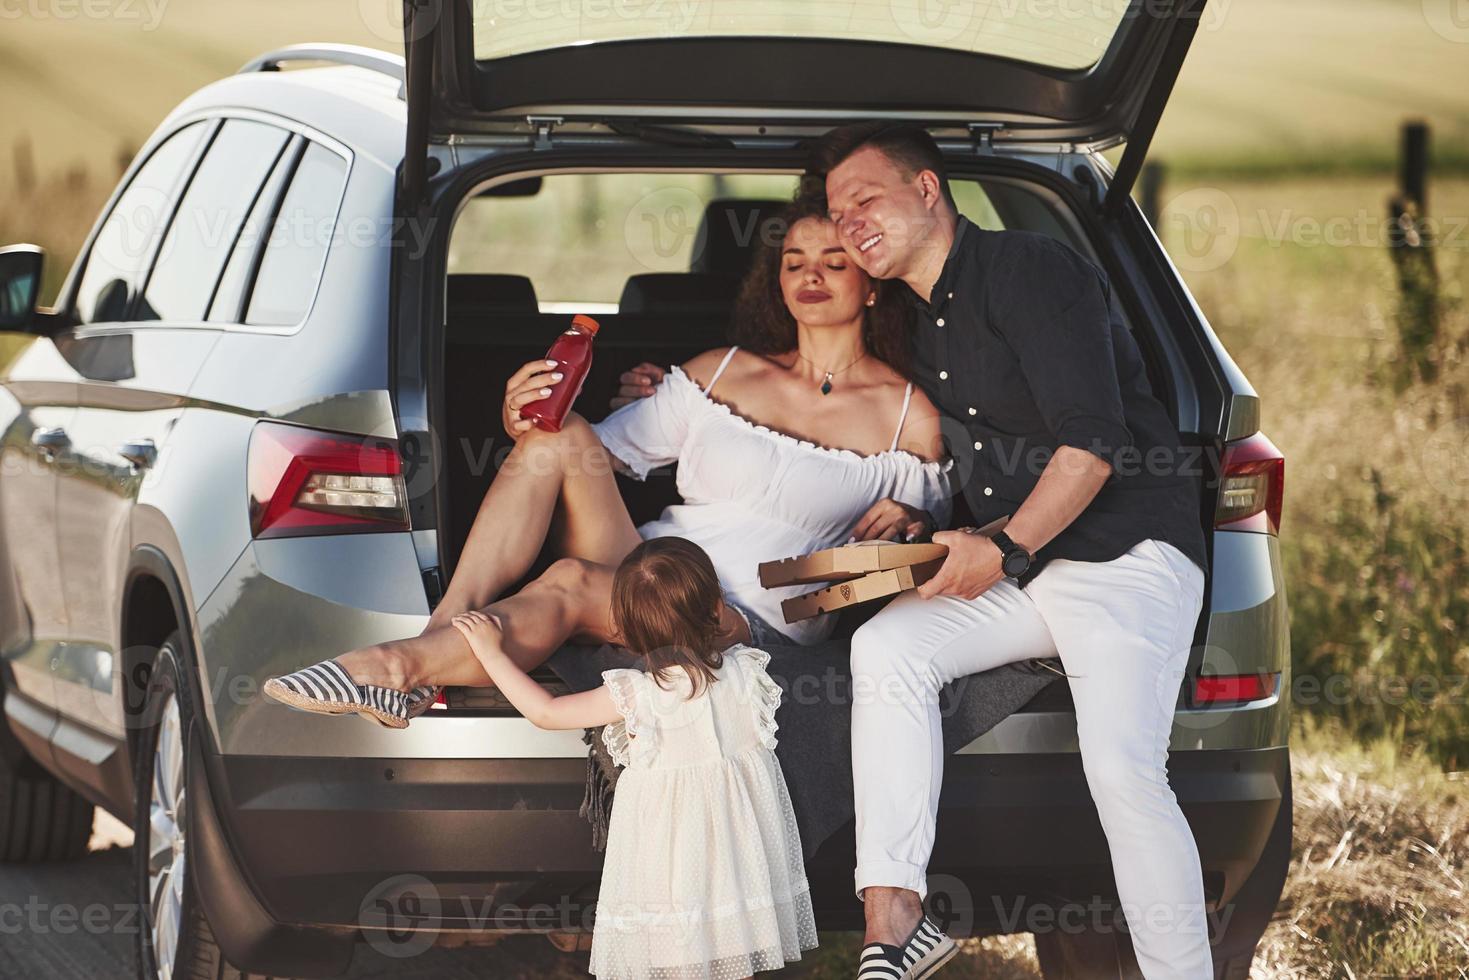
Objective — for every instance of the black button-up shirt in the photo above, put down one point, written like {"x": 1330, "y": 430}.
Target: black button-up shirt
{"x": 1021, "y": 343}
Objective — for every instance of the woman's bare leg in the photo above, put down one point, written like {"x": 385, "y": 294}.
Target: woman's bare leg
{"x": 567, "y": 475}
{"x": 572, "y": 600}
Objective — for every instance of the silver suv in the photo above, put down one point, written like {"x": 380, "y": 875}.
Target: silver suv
{"x": 256, "y": 427}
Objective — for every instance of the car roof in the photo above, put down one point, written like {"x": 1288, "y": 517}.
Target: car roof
{"x": 356, "y": 106}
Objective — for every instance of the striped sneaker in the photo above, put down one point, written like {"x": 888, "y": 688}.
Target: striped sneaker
{"x": 326, "y": 688}
{"x": 420, "y": 699}
{"x": 922, "y": 953}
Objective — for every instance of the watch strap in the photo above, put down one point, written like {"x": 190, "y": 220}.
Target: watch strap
{"x": 1006, "y": 546}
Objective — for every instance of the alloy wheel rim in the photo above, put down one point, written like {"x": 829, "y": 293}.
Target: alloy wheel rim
{"x": 166, "y": 839}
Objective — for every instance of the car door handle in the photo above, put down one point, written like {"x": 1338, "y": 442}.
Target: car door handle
{"x": 50, "y": 439}
{"x": 140, "y": 452}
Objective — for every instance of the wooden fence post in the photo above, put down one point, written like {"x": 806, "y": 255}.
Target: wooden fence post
{"x": 1410, "y": 243}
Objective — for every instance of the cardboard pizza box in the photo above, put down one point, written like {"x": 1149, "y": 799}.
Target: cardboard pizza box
{"x": 858, "y": 558}
{"x": 891, "y": 568}
{"x": 864, "y": 588}
{"x": 848, "y": 561}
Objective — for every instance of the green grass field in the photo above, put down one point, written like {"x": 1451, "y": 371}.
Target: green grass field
{"x": 1375, "y": 534}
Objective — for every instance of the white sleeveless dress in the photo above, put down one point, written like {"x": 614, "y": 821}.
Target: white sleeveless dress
{"x": 753, "y": 494}
{"x": 704, "y": 877}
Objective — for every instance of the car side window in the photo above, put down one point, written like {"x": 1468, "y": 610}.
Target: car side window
{"x": 294, "y": 254}
{"x": 208, "y": 220}
{"x": 234, "y": 283}
{"x": 125, "y": 242}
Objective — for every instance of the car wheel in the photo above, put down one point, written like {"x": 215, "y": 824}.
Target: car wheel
{"x": 175, "y": 941}
{"x": 1091, "y": 956}
{"x": 41, "y": 818}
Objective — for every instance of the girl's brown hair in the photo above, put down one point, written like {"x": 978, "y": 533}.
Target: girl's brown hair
{"x": 666, "y": 606}
{"x": 763, "y": 323}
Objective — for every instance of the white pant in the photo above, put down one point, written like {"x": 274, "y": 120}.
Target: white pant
{"x": 1125, "y": 627}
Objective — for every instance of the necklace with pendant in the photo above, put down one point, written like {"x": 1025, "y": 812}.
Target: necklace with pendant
{"x": 826, "y": 382}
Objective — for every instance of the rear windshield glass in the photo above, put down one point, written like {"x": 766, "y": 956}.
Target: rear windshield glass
{"x": 1057, "y": 33}
{"x": 577, "y": 242}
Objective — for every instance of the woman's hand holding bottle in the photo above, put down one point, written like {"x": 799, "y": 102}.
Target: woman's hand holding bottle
{"x": 529, "y": 384}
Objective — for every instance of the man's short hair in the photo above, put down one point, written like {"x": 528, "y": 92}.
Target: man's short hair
{"x": 909, "y": 147}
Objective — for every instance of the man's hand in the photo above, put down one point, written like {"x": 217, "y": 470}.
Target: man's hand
{"x": 888, "y": 518}
{"x": 527, "y": 385}
{"x": 637, "y": 383}
{"x": 973, "y": 566}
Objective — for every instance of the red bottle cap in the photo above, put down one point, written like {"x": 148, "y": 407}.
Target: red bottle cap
{"x": 586, "y": 323}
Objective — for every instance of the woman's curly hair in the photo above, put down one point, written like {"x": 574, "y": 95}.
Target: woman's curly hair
{"x": 762, "y": 321}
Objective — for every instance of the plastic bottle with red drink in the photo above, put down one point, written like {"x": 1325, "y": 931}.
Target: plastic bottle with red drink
{"x": 572, "y": 353}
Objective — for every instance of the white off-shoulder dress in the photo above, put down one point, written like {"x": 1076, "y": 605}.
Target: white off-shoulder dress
{"x": 704, "y": 877}
{"x": 752, "y": 494}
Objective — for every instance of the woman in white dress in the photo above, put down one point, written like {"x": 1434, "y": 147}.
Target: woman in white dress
{"x": 816, "y": 437}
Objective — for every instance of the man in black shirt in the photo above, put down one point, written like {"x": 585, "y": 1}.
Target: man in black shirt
{"x": 1101, "y": 562}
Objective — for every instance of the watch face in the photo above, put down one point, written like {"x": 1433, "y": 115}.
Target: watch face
{"x": 1015, "y": 564}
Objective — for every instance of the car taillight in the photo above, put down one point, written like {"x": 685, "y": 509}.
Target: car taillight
{"x": 305, "y": 481}
{"x": 1252, "y": 486}
{"x": 1233, "y": 688}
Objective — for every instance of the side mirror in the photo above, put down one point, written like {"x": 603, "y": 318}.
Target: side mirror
{"x": 20, "y": 285}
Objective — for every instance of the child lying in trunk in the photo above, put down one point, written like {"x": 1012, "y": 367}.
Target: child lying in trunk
{"x": 704, "y": 873}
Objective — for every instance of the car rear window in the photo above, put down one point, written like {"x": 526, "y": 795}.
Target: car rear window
{"x": 582, "y": 237}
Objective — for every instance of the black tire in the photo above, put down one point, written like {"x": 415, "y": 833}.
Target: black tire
{"x": 1093, "y": 956}
{"x": 198, "y": 956}
{"x": 41, "y": 818}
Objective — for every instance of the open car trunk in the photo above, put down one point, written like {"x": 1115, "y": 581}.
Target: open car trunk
{"x": 511, "y": 286}
{"x": 736, "y": 85}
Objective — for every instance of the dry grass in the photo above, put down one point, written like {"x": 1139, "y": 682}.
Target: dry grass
{"x": 1380, "y": 865}
{"x": 1375, "y": 537}
{"x": 1319, "y": 85}
{"x": 1374, "y": 541}
{"x": 55, "y": 211}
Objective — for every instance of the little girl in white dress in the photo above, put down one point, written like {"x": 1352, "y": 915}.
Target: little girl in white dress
{"x": 703, "y": 877}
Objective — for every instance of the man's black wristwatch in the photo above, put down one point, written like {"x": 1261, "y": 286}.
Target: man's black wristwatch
{"x": 1014, "y": 560}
